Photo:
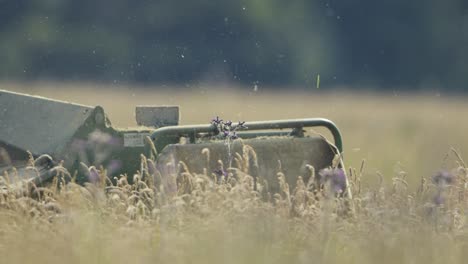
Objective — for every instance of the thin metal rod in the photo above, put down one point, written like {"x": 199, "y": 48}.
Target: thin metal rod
{"x": 248, "y": 134}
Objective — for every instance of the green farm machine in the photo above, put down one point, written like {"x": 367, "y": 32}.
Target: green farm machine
{"x": 66, "y": 135}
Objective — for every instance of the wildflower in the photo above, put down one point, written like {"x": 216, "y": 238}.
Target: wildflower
{"x": 234, "y": 135}
{"x": 220, "y": 174}
{"x": 216, "y": 121}
{"x": 439, "y": 199}
{"x": 242, "y": 125}
{"x": 443, "y": 177}
{"x": 336, "y": 179}
{"x": 227, "y": 129}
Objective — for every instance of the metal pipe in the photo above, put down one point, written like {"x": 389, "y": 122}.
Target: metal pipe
{"x": 248, "y": 134}
{"x": 257, "y": 125}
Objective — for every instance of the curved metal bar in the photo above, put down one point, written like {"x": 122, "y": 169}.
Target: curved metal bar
{"x": 257, "y": 125}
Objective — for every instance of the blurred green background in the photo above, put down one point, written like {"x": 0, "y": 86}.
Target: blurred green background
{"x": 387, "y": 44}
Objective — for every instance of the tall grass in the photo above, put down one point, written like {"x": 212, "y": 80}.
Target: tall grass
{"x": 211, "y": 221}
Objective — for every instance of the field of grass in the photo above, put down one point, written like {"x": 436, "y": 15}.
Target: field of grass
{"x": 400, "y": 213}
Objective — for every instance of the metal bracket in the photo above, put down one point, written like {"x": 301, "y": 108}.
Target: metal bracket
{"x": 157, "y": 116}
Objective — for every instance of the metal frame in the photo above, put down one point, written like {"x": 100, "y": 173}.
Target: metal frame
{"x": 160, "y": 135}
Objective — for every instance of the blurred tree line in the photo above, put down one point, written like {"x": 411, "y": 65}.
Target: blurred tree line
{"x": 361, "y": 43}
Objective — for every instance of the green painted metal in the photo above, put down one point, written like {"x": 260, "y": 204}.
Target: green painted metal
{"x": 77, "y": 134}
{"x": 170, "y": 135}
{"x": 294, "y": 154}
{"x": 68, "y": 132}
{"x": 39, "y": 124}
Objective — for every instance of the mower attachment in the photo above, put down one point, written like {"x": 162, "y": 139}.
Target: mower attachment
{"x": 76, "y": 135}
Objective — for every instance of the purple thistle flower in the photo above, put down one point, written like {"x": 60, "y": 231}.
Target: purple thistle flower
{"x": 242, "y": 125}
{"x": 220, "y": 173}
{"x": 227, "y": 129}
{"x": 335, "y": 177}
{"x": 439, "y": 199}
{"x": 216, "y": 120}
{"x": 443, "y": 177}
{"x": 234, "y": 135}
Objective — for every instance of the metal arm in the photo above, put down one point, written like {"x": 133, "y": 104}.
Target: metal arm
{"x": 177, "y": 131}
